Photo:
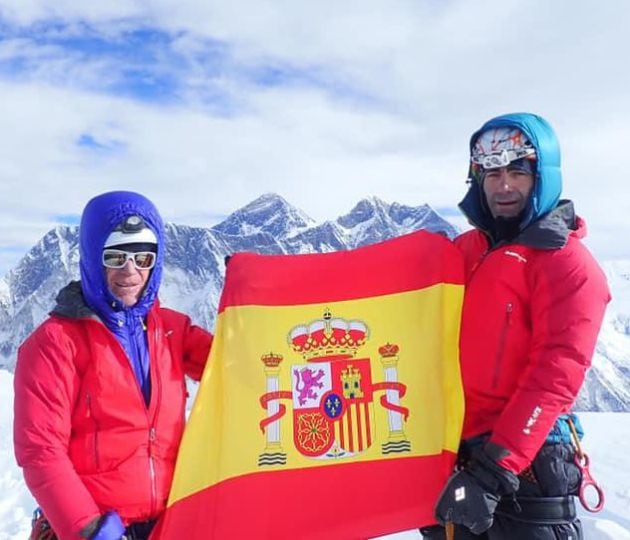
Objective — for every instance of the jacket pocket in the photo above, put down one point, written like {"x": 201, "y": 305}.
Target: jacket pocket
{"x": 505, "y": 327}
{"x": 95, "y": 435}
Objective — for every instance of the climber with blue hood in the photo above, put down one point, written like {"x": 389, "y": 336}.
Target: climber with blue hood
{"x": 99, "y": 386}
{"x": 534, "y": 302}
{"x": 120, "y": 280}
{"x": 515, "y": 179}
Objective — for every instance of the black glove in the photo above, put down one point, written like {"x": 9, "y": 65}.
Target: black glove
{"x": 471, "y": 495}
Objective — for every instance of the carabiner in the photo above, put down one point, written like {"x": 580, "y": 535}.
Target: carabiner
{"x": 588, "y": 481}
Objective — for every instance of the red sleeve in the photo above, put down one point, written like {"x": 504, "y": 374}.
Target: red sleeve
{"x": 46, "y": 386}
{"x": 194, "y": 344}
{"x": 569, "y": 294}
{"x": 197, "y": 343}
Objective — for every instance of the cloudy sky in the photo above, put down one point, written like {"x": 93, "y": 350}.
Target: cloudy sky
{"x": 203, "y": 105}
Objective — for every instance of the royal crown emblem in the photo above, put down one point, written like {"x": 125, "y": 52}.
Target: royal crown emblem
{"x": 332, "y": 394}
{"x": 328, "y": 337}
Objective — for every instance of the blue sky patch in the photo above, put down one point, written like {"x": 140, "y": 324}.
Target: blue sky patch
{"x": 67, "y": 219}
{"x": 88, "y": 141}
{"x": 130, "y": 59}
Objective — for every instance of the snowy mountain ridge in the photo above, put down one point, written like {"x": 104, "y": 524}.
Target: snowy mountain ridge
{"x": 194, "y": 269}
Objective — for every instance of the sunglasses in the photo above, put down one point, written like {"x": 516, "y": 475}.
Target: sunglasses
{"x": 116, "y": 258}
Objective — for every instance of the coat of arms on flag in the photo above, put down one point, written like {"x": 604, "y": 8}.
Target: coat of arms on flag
{"x": 330, "y": 375}
{"x": 332, "y": 394}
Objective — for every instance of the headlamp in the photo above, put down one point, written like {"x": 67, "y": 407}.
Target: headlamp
{"x": 496, "y": 160}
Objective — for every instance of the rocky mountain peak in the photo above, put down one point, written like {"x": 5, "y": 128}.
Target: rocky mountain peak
{"x": 270, "y": 214}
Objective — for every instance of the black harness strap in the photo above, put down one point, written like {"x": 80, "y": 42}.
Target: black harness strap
{"x": 539, "y": 510}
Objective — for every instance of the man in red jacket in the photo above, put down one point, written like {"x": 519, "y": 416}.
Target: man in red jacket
{"x": 533, "y": 307}
{"x": 99, "y": 386}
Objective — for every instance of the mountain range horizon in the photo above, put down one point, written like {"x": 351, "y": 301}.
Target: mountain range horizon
{"x": 194, "y": 270}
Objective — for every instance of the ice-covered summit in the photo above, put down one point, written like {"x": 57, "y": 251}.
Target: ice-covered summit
{"x": 270, "y": 214}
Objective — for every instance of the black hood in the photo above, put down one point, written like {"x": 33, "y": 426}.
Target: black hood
{"x": 552, "y": 230}
{"x": 70, "y": 302}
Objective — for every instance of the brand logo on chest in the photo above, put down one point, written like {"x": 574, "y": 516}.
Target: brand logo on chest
{"x": 516, "y": 255}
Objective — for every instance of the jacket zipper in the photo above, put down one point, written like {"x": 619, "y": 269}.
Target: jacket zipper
{"x": 152, "y": 433}
{"x": 97, "y": 461}
{"x": 501, "y": 348}
{"x": 152, "y": 474}
{"x": 157, "y": 395}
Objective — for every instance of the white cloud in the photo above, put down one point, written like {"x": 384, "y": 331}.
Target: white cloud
{"x": 379, "y": 99}
{"x": 27, "y": 12}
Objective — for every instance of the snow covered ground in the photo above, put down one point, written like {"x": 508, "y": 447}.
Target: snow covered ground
{"x": 607, "y": 442}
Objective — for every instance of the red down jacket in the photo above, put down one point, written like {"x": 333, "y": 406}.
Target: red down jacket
{"x": 532, "y": 312}
{"x": 83, "y": 434}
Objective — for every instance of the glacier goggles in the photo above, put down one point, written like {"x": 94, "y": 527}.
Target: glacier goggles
{"x": 496, "y": 160}
{"x": 117, "y": 258}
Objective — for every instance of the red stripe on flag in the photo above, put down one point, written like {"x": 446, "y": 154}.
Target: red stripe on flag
{"x": 357, "y": 408}
{"x": 368, "y": 424}
{"x": 314, "y": 278}
{"x": 376, "y": 498}
{"x": 342, "y": 438}
{"x": 350, "y": 433}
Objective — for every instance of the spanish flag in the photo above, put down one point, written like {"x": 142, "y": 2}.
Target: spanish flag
{"x": 331, "y": 406}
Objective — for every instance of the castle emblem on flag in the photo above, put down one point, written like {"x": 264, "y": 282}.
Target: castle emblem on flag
{"x": 332, "y": 394}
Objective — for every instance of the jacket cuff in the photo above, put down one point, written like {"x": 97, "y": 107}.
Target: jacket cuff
{"x": 107, "y": 527}
{"x": 496, "y": 478}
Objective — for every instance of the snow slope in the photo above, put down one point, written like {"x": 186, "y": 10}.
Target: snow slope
{"x": 607, "y": 442}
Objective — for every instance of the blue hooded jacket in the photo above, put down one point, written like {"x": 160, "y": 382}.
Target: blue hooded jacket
{"x": 101, "y": 215}
{"x": 547, "y": 184}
